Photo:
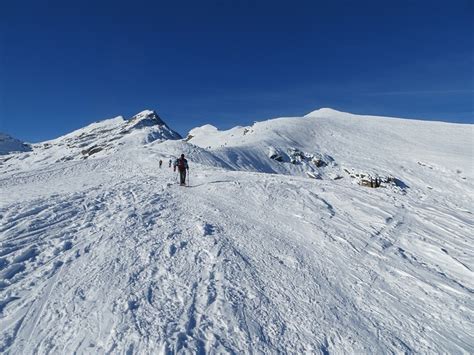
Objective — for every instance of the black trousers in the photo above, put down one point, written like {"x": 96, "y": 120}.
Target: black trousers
{"x": 182, "y": 176}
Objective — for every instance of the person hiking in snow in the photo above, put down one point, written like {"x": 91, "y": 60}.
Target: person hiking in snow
{"x": 182, "y": 165}
{"x": 170, "y": 162}
{"x": 161, "y": 162}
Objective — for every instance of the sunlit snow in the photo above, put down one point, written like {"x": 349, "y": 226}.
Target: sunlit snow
{"x": 278, "y": 244}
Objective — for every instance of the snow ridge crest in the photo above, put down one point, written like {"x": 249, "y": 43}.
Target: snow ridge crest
{"x": 146, "y": 118}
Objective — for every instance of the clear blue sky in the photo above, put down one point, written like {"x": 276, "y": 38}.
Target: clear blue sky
{"x": 64, "y": 64}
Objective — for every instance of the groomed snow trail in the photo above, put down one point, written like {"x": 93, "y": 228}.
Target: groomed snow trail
{"x": 122, "y": 260}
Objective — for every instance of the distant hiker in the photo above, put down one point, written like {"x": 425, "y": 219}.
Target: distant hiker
{"x": 170, "y": 162}
{"x": 161, "y": 163}
{"x": 182, "y": 165}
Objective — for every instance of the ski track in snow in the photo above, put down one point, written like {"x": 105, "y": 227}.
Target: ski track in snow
{"x": 112, "y": 256}
{"x": 146, "y": 265}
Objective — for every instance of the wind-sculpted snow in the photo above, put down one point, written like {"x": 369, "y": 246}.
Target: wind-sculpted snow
{"x": 110, "y": 255}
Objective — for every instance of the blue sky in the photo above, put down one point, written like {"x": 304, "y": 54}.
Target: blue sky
{"x": 64, "y": 64}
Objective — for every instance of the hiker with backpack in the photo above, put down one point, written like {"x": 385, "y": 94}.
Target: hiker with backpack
{"x": 161, "y": 162}
{"x": 182, "y": 165}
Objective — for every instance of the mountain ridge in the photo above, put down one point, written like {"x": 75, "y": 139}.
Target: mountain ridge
{"x": 9, "y": 145}
{"x": 308, "y": 235}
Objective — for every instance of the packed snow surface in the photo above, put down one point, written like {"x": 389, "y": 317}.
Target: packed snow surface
{"x": 275, "y": 245}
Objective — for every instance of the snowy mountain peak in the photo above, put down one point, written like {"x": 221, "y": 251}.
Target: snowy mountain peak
{"x": 324, "y": 112}
{"x": 146, "y": 113}
{"x": 9, "y": 145}
{"x": 98, "y": 139}
{"x": 146, "y": 118}
{"x": 206, "y": 129}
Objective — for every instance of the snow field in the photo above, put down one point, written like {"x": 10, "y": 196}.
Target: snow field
{"x": 109, "y": 255}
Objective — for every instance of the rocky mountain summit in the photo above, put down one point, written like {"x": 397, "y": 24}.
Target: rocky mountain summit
{"x": 99, "y": 139}
{"x": 10, "y": 145}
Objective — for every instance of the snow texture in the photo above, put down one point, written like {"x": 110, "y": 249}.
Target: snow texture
{"x": 102, "y": 252}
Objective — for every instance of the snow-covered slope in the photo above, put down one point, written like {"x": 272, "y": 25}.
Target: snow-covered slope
{"x": 9, "y": 145}
{"x": 106, "y": 254}
{"x": 95, "y": 140}
{"x": 361, "y": 142}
